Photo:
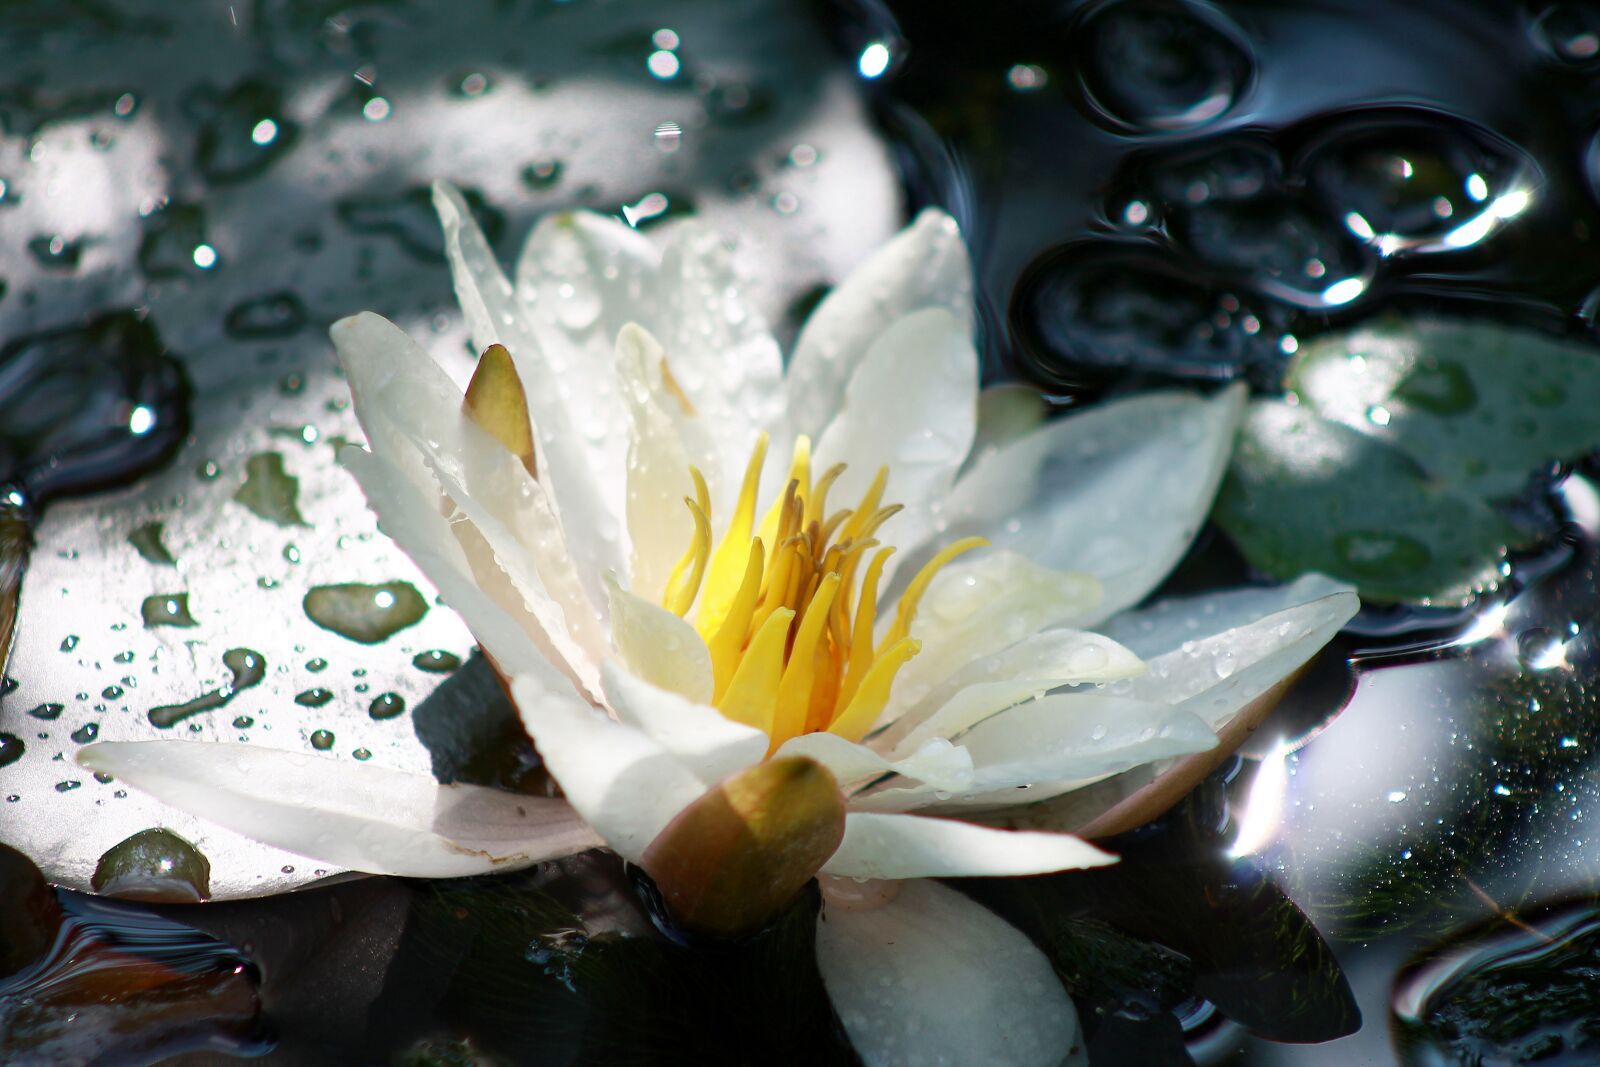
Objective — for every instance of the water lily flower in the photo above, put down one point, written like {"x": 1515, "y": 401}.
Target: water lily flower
{"x": 766, "y": 624}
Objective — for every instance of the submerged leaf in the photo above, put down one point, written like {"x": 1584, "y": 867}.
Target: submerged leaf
{"x": 732, "y": 859}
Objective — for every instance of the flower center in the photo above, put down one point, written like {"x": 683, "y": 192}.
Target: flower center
{"x": 789, "y": 612}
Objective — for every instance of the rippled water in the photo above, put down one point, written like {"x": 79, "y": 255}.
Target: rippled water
{"x": 1155, "y": 190}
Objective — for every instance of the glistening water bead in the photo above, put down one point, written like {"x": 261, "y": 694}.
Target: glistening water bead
{"x": 365, "y": 613}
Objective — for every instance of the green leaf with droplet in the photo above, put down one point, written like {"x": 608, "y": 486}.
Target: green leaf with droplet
{"x": 1478, "y": 405}
{"x": 1307, "y": 494}
{"x": 1405, "y": 437}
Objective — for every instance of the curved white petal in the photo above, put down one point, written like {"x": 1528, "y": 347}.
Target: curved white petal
{"x": 924, "y": 266}
{"x": 981, "y": 604}
{"x": 663, "y": 442}
{"x": 1006, "y": 413}
{"x": 916, "y": 846}
{"x": 353, "y": 815}
{"x": 1118, "y": 491}
{"x": 911, "y": 405}
{"x": 718, "y": 345}
{"x": 939, "y": 765}
{"x": 531, "y": 575}
{"x": 413, "y": 521}
{"x": 932, "y": 978}
{"x": 658, "y": 646}
{"x": 580, "y": 278}
{"x": 710, "y": 745}
{"x": 623, "y": 783}
{"x": 567, "y": 398}
{"x": 1046, "y": 747}
{"x": 1214, "y": 654}
{"x": 984, "y": 686}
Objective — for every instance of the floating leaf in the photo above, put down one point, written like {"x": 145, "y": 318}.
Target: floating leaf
{"x": 1477, "y": 405}
{"x": 1306, "y": 494}
{"x": 1399, "y": 438}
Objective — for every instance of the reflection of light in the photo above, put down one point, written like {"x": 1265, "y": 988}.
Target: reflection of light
{"x": 1025, "y": 77}
{"x": 1263, "y": 808}
{"x": 1555, "y": 655}
{"x": 663, "y": 64}
{"x": 376, "y": 110}
{"x": 1289, "y": 345}
{"x": 383, "y": 599}
{"x": 1136, "y": 213}
{"x": 205, "y": 257}
{"x": 1485, "y": 222}
{"x": 1491, "y": 622}
{"x": 665, "y": 38}
{"x": 667, "y": 135}
{"x": 1582, "y": 501}
{"x": 874, "y": 60}
{"x": 649, "y": 206}
{"x": 140, "y": 420}
{"x": 265, "y": 132}
{"x": 1477, "y": 188}
{"x": 1343, "y": 291}
{"x": 1357, "y": 224}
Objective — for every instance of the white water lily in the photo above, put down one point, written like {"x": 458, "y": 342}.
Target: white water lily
{"x": 683, "y": 558}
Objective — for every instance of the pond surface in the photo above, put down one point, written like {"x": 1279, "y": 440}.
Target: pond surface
{"x": 1400, "y": 868}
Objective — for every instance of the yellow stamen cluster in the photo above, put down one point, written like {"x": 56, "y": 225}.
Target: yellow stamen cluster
{"x": 789, "y": 625}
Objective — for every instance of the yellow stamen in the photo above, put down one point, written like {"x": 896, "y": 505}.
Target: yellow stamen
{"x": 728, "y": 644}
{"x": 684, "y": 581}
{"x": 817, "y": 501}
{"x": 907, "y": 609}
{"x": 752, "y": 695}
{"x": 794, "y": 692}
{"x": 725, "y": 579}
{"x": 867, "y": 508}
{"x": 800, "y": 476}
{"x": 873, "y": 696}
{"x": 861, "y": 632}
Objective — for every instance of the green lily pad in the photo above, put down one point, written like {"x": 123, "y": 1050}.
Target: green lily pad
{"x": 1477, "y": 405}
{"x": 1308, "y": 494}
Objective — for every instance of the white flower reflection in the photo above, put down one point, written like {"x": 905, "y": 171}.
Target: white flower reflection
{"x": 689, "y": 562}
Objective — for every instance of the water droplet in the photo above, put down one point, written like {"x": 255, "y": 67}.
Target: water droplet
{"x": 111, "y": 692}
{"x": 361, "y": 754}
{"x": 270, "y": 491}
{"x": 277, "y": 314}
{"x": 56, "y": 252}
{"x": 154, "y": 865}
{"x": 542, "y": 173}
{"x": 365, "y": 613}
{"x": 1159, "y": 64}
{"x": 167, "y": 609}
{"x": 436, "y": 661}
{"x": 69, "y": 642}
{"x": 1224, "y": 663}
{"x": 173, "y": 239}
{"x": 241, "y": 131}
{"x": 317, "y": 664}
{"x": 386, "y": 706}
{"x": 313, "y": 698}
{"x": 146, "y": 540}
{"x": 11, "y": 749}
{"x": 48, "y": 712}
{"x": 322, "y": 740}
{"x": 248, "y": 668}
{"x": 243, "y": 722}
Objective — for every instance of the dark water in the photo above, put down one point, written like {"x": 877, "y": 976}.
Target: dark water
{"x": 1155, "y": 191}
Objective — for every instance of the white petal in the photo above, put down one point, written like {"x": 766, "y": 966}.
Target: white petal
{"x": 1214, "y": 654}
{"x": 924, "y": 266}
{"x": 932, "y": 978}
{"x": 354, "y": 815}
{"x": 1006, "y": 413}
{"x": 911, "y": 404}
{"x": 581, "y": 277}
{"x": 1118, "y": 491}
{"x": 711, "y": 746}
{"x": 938, "y": 764}
{"x": 658, "y": 646}
{"x": 567, "y": 398}
{"x": 663, "y": 442}
{"x": 1045, "y": 747}
{"x": 622, "y": 782}
{"x": 916, "y": 846}
{"x": 717, "y": 344}
{"x": 1033, "y": 665}
{"x": 981, "y": 604}
{"x": 531, "y": 575}
{"x": 413, "y": 521}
